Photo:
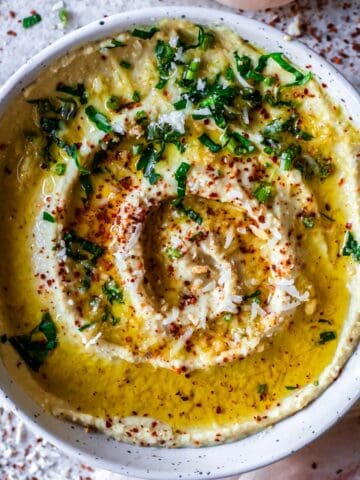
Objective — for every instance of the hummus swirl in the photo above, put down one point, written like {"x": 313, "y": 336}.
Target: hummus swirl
{"x": 183, "y": 203}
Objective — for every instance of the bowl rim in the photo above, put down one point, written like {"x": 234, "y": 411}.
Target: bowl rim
{"x": 102, "y": 28}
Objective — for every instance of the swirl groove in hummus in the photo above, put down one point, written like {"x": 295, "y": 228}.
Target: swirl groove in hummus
{"x": 179, "y": 209}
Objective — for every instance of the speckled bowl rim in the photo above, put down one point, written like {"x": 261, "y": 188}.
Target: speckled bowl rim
{"x": 257, "y": 450}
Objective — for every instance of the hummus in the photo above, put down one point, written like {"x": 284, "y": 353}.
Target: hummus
{"x": 180, "y": 228}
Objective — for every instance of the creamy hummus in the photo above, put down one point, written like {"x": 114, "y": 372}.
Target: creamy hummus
{"x": 179, "y": 228}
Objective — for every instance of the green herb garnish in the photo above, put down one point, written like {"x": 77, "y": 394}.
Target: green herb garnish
{"x": 60, "y": 169}
{"x": 204, "y": 41}
{"x": 113, "y": 103}
{"x": 278, "y": 57}
{"x": 78, "y": 248}
{"x": 227, "y": 316}
{"x": 113, "y": 292}
{"x": 327, "y": 337}
{"x": 144, "y": 34}
{"x": 31, "y": 21}
{"x": 115, "y": 44}
{"x": 84, "y": 327}
{"x": 255, "y": 296}
{"x": 288, "y": 156}
{"x": 136, "y": 96}
{"x": 291, "y": 387}
{"x": 210, "y": 144}
{"x": 48, "y": 217}
{"x": 165, "y": 56}
{"x": 308, "y": 222}
{"x": 180, "y": 177}
{"x": 64, "y": 16}
{"x": 263, "y": 192}
{"x": 125, "y": 64}
{"x": 100, "y": 120}
{"x": 86, "y": 186}
{"x": 190, "y": 72}
{"x": 351, "y": 247}
{"x": 137, "y": 148}
{"x": 180, "y": 105}
{"x": 36, "y": 346}
{"x": 147, "y": 162}
{"x": 173, "y": 253}
{"x": 77, "y": 90}
{"x": 262, "y": 389}
{"x": 245, "y": 68}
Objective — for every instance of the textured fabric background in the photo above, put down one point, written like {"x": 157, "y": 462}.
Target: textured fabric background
{"x": 330, "y": 27}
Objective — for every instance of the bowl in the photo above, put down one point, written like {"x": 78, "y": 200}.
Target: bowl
{"x": 251, "y": 452}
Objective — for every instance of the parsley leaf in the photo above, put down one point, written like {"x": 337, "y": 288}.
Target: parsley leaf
{"x": 31, "y": 21}
{"x": 48, "y": 217}
{"x": 351, "y": 247}
{"x": 263, "y": 192}
{"x": 36, "y": 346}
{"x": 327, "y": 337}
{"x": 100, "y": 120}
{"x": 180, "y": 177}
{"x": 144, "y": 34}
{"x": 278, "y": 57}
{"x": 165, "y": 56}
{"x": 113, "y": 292}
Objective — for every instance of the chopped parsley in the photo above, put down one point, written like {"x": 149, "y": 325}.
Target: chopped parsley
{"x": 278, "y": 57}
{"x": 48, "y": 217}
{"x": 60, "y": 169}
{"x": 264, "y": 192}
{"x": 100, "y": 120}
{"x": 136, "y": 96}
{"x": 165, "y": 56}
{"x": 308, "y": 222}
{"x": 159, "y": 137}
{"x": 255, "y": 296}
{"x": 113, "y": 292}
{"x": 209, "y": 143}
{"x": 205, "y": 40}
{"x": 64, "y": 16}
{"x": 144, "y": 34}
{"x": 327, "y": 337}
{"x": 113, "y": 103}
{"x": 173, "y": 253}
{"x": 291, "y": 387}
{"x": 351, "y": 247}
{"x": 190, "y": 72}
{"x": 288, "y": 156}
{"x": 35, "y": 346}
{"x": 180, "y": 105}
{"x": 77, "y": 90}
{"x": 86, "y": 186}
{"x": 85, "y": 327}
{"x": 245, "y": 68}
{"x": 262, "y": 389}
{"x": 125, "y": 64}
{"x": 29, "y": 22}
{"x": 78, "y": 248}
{"x": 227, "y": 317}
{"x": 189, "y": 212}
{"x": 115, "y": 44}
{"x": 180, "y": 177}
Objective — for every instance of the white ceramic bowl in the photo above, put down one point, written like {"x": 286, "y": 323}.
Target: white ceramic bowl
{"x": 189, "y": 463}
